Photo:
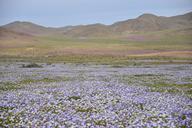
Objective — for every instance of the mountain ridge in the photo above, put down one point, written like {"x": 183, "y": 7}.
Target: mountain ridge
{"x": 144, "y": 22}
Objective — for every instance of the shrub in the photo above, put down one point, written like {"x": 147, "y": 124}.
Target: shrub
{"x": 31, "y": 65}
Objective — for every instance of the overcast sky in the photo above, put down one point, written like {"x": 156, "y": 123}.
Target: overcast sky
{"x": 57, "y": 13}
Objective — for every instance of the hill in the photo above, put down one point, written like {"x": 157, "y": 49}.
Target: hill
{"x": 145, "y": 22}
{"x": 150, "y": 22}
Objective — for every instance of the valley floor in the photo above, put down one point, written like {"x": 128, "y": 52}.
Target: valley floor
{"x": 82, "y": 95}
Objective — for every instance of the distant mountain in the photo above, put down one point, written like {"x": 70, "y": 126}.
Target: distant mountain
{"x": 150, "y": 22}
{"x": 145, "y": 22}
{"x": 89, "y": 30}
{"x": 29, "y": 28}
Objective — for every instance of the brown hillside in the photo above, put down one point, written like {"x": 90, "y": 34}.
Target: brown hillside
{"x": 145, "y": 22}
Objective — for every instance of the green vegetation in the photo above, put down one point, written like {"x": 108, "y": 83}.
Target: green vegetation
{"x": 172, "y": 88}
{"x": 28, "y": 81}
{"x": 87, "y": 110}
{"x": 10, "y": 120}
{"x": 143, "y": 79}
{"x": 157, "y": 83}
{"x": 115, "y": 61}
{"x": 74, "y": 98}
{"x": 4, "y": 108}
{"x": 101, "y": 123}
{"x": 9, "y": 86}
{"x": 163, "y": 84}
{"x": 188, "y": 79}
{"x": 18, "y": 85}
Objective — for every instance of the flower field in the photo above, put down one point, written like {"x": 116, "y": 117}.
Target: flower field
{"x": 82, "y": 95}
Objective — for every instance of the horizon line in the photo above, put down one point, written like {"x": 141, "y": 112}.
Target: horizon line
{"x": 31, "y": 22}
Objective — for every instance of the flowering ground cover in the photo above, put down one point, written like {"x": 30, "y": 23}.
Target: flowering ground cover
{"x": 71, "y": 95}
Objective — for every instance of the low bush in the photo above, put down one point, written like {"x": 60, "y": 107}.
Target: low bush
{"x": 31, "y": 65}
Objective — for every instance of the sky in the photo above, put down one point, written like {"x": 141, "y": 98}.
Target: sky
{"x": 59, "y": 13}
